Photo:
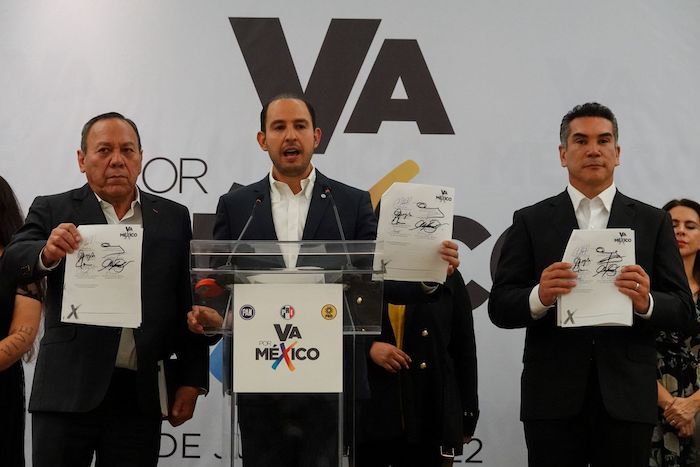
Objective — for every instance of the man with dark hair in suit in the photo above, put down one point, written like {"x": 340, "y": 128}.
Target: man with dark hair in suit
{"x": 588, "y": 393}
{"x": 95, "y": 388}
{"x": 293, "y": 430}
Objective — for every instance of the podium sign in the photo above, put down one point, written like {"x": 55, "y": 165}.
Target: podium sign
{"x": 288, "y": 338}
{"x": 294, "y": 316}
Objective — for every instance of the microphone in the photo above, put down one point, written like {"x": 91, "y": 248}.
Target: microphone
{"x": 327, "y": 191}
{"x": 346, "y": 281}
{"x": 258, "y": 201}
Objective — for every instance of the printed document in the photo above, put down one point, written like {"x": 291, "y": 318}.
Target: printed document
{"x": 102, "y": 284}
{"x": 598, "y": 256}
{"x": 413, "y": 222}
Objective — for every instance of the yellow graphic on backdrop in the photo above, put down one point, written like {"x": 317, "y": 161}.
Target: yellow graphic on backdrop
{"x": 404, "y": 172}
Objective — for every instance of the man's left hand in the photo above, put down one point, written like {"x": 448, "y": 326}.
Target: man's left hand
{"x": 183, "y": 407}
{"x": 635, "y": 283}
{"x": 449, "y": 253}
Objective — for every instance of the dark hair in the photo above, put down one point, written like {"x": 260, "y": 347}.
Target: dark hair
{"x": 589, "y": 109}
{"x": 687, "y": 203}
{"x": 287, "y": 95}
{"x": 10, "y": 213}
{"x": 106, "y": 116}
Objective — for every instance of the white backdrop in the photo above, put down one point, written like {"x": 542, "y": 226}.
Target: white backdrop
{"x": 505, "y": 72}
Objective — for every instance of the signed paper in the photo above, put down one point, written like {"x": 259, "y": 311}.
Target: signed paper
{"x": 413, "y": 222}
{"x": 597, "y": 257}
{"x": 102, "y": 283}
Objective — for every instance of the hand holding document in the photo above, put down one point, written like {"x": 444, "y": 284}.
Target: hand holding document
{"x": 413, "y": 222}
{"x": 102, "y": 284}
{"x": 597, "y": 257}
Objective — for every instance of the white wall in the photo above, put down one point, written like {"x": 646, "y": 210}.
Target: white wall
{"x": 505, "y": 71}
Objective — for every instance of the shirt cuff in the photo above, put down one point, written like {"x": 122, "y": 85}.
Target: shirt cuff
{"x": 43, "y": 267}
{"x": 537, "y": 308}
{"x": 647, "y": 315}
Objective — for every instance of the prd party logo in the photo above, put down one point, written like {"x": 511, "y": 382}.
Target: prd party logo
{"x": 329, "y": 312}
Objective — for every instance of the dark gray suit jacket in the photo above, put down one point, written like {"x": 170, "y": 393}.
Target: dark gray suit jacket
{"x": 557, "y": 361}
{"x": 75, "y": 362}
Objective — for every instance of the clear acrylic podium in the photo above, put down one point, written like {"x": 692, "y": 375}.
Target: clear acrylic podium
{"x": 296, "y": 319}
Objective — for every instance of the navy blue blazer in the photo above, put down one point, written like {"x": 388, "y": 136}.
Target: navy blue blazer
{"x": 557, "y": 361}
{"x": 75, "y": 362}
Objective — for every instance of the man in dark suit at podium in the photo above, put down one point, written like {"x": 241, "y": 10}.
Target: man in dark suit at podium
{"x": 95, "y": 388}
{"x": 294, "y": 202}
{"x": 588, "y": 393}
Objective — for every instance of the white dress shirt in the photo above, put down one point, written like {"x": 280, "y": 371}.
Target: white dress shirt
{"x": 289, "y": 212}
{"x": 126, "y": 354}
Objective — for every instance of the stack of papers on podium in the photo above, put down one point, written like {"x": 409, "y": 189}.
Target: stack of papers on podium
{"x": 102, "y": 284}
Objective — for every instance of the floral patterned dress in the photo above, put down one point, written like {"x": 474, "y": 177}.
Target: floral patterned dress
{"x": 677, "y": 369}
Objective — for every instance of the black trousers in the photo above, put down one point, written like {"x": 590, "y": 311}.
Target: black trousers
{"x": 117, "y": 433}
{"x": 590, "y": 438}
{"x": 398, "y": 452}
{"x": 12, "y": 418}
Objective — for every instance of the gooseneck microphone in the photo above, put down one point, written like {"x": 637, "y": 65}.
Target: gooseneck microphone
{"x": 347, "y": 310}
{"x": 328, "y": 192}
{"x": 258, "y": 201}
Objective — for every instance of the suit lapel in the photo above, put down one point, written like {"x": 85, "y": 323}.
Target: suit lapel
{"x": 262, "y": 227}
{"x": 87, "y": 208}
{"x": 622, "y": 212}
{"x": 563, "y": 217}
{"x": 150, "y": 213}
{"x": 317, "y": 209}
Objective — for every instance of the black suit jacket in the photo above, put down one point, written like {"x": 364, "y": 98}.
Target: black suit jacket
{"x": 75, "y": 362}
{"x": 557, "y": 361}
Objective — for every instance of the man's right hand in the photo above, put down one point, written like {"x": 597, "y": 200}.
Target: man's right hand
{"x": 557, "y": 279}
{"x": 63, "y": 239}
{"x": 200, "y": 318}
